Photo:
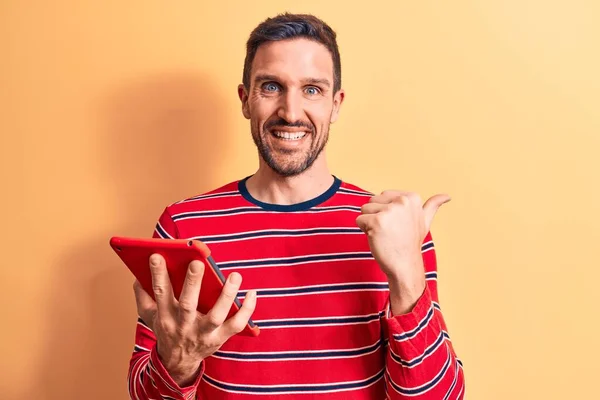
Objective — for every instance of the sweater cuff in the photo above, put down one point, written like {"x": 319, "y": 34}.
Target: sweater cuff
{"x": 420, "y": 315}
{"x": 168, "y": 382}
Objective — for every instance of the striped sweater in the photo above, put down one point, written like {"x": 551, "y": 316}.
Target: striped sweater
{"x": 323, "y": 309}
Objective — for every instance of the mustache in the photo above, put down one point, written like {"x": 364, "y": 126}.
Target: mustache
{"x": 281, "y": 123}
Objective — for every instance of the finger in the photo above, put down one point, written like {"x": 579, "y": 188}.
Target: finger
{"x": 161, "y": 285}
{"x": 146, "y": 307}
{"x": 188, "y": 301}
{"x": 387, "y": 196}
{"x": 364, "y": 222}
{"x": 217, "y": 315}
{"x": 372, "y": 208}
{"x": 238, "y": 322}
{"x": 432, "y": 205}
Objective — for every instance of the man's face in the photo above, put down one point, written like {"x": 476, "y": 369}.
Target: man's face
{"x": 291, "y": 103}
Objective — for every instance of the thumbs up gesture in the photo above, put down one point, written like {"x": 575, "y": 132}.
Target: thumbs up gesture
{"x": 396, "y": 224}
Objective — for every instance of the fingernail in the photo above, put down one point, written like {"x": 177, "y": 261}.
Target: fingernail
{"x": 195, "y": 265}
{"x": 235, "y": 278}
{"x": 154, "y": 260}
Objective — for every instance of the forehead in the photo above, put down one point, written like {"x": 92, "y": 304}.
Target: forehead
{"x": 293, "y": 60}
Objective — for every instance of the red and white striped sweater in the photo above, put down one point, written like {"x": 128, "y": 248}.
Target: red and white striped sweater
{"x": 326, "y": 329}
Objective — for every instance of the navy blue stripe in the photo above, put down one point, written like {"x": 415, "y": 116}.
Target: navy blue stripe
{"x": 357, "y": 192}
{"x": 427, "y": 246}
{"x": 299, "y": 260}
{"x": 215, "y": 213}
{"x": 251, "y": 210}
{"x": 427, "y": 352}
{"x": 212, "y": 196}
{"x": 424, "y": 388}
{"x": 319, "y": 321}
{"x": 141, "y": 321}
{"x": 292, "y": 207}
{"x": 141, "y": 376}
{"x": 319, "y": 289}
{"x": 453, "y": 383}
{"x": 336, "y": 208}
{"x": 292, "y": 388}
{"x": 299, "y": 232}
{"x": 163, "y": 234}
{"x": 413, "y": 333}
{"x": 298, "y": 355}
{"x": 137, "y": 348}
{"x": 431, "y": 275}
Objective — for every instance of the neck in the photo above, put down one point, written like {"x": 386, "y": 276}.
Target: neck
{"x": 269, "y": 187}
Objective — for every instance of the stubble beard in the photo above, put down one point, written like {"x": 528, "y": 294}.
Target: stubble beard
{"x": 290, "y": 167}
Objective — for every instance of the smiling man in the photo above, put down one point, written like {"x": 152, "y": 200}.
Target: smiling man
{"x": 341, "y": 282}
{"x": 291, "y": 136}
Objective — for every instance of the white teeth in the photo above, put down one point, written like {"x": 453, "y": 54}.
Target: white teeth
{"x": 289, "y": 135}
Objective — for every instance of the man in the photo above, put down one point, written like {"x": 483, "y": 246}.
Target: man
{"x": 342, "y": 283}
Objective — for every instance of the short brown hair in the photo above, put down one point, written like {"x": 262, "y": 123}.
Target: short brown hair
{"x": 289, "y": 26}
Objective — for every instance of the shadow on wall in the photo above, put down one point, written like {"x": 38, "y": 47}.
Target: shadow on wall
{"x": 159, "y": 140}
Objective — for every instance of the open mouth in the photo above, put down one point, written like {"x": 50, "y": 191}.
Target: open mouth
{"x": 288, "y": 135}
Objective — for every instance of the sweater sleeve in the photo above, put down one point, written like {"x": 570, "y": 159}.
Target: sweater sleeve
{"x": 421, "y": 363}
{"x": 147, "y": 377}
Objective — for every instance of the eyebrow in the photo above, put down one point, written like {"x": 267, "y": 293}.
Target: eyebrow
{"x": 311, "y": 81}
{"x": 316, "y": 81}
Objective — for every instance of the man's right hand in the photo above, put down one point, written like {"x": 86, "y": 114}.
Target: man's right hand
{"x": 184, "y": 336}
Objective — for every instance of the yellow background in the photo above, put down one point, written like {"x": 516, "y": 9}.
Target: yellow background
{"x": 112, "y": 110}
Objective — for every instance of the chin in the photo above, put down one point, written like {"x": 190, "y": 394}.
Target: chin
{"x": 288, "y": 169}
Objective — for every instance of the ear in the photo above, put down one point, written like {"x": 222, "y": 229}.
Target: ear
{"x": 243, "y": 95}
{"x": 338, "y": 99}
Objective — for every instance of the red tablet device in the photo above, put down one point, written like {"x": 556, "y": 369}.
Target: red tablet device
{"x": 178, "y": 253}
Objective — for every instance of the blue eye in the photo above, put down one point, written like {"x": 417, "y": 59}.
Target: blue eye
{"x": 271, "y": 87}
{"x": 312, "y": 90}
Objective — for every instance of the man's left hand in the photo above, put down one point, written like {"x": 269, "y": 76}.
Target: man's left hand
{"x": 396, "y": 223}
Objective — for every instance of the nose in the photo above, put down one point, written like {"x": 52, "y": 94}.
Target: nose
{"x": 290, "y": 108}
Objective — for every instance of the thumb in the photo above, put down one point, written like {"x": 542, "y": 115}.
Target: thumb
{"x": 432, "y": 205}
{"x": 146, "y": 306}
